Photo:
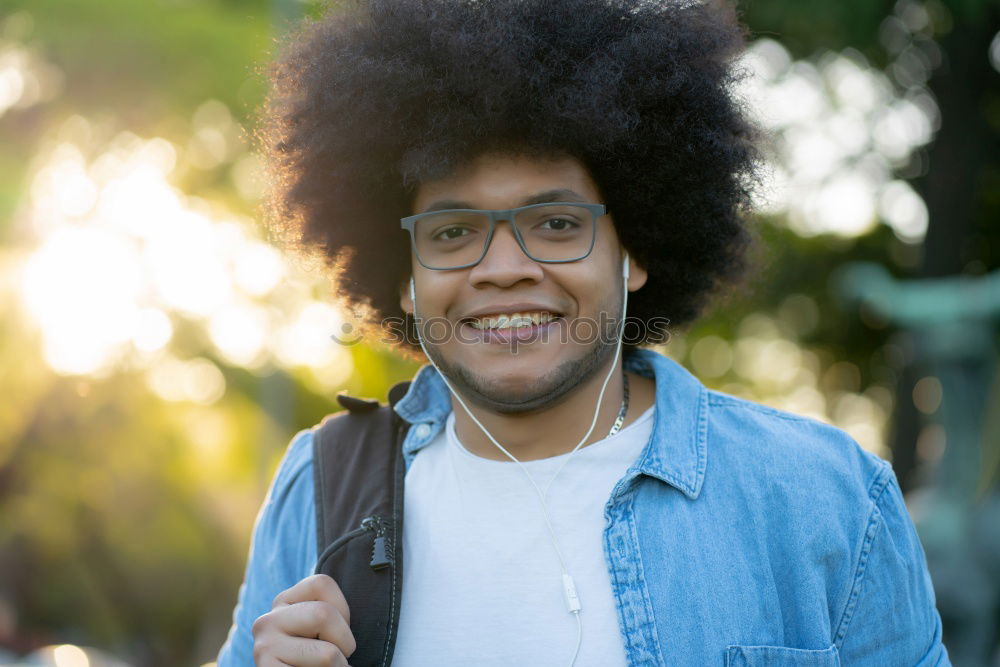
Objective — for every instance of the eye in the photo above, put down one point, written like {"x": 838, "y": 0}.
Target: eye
{"x": 559, "y": 224}
{"x": 450, "y": 233}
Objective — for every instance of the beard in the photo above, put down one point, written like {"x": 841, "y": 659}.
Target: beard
{"x": 540, "y": 393}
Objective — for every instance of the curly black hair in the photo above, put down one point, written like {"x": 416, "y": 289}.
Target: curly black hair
{"x": 381, "y": 95}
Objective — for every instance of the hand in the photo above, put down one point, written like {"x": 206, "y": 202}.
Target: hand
{"x": 309, "y": 624}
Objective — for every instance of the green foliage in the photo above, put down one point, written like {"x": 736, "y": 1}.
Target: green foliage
{"x": 807, "y": 26}
{"x": 141, "y": 61}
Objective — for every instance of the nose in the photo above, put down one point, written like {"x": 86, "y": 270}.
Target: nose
{"x": 505, "y": 264}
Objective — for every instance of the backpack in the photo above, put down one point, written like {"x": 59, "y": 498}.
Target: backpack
{"x": 358, "y": 471}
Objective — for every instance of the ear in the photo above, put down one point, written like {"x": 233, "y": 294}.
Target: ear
{"x": 636, "y": 274}
{"x": 405, "y": 302}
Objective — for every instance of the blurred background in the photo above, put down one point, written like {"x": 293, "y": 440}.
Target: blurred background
{"x": 157, "y": 352}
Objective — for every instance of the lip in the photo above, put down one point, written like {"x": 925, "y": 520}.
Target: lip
{"x": 507, "y": 309}
{"x": 535, "y": 333}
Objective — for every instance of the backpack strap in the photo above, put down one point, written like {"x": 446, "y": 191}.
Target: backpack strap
{"x": 358, "y": 471}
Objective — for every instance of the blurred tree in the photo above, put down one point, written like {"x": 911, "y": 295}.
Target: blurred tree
{"x": 946, "y": 43}
{"x": 952, "y": 45}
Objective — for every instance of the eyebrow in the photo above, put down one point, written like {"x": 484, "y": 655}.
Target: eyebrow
{"x": 557, "y": 195}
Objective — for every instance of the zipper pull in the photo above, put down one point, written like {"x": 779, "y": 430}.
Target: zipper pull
{"x": 380, "y": 553}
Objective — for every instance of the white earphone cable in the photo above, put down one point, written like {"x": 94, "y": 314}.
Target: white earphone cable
{"x": 569, "y": 586}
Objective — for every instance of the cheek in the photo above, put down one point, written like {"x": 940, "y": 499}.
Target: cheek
{"x": 588, "y": 287}
{"x": 436, "y": 292}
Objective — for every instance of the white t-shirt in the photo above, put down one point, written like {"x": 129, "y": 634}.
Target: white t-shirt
{"x": 481, "y": 580}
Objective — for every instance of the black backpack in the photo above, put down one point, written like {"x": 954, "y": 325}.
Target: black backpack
{"x": 359, "y": 471}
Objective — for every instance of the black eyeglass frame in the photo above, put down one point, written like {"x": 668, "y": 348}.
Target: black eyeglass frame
{"x": 596, "y": 211}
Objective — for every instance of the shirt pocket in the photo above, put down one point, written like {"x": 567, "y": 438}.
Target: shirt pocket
{"x": 780, "y": 656}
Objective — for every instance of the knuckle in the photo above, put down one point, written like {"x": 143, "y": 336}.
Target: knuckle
{"x": 261, "y": 624}
{"x": 323, "y": 614}
{"x": 329, "y": 653}
{"x": 261, "y": 649}
{"x": 350, "y": 646}
{"x": 325, "y": 583}
{"x": 279, "y": 599}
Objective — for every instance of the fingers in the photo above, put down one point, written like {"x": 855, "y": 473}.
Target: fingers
{"x": 300, "y": 652}
{"x": 314, "y": 620}
{"x": 318, "y": 587}
{"x": 308, "y": 625}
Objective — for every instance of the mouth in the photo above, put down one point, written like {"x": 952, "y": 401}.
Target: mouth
{"x": 507, "y": 321}
{"x": 516, "y": 328}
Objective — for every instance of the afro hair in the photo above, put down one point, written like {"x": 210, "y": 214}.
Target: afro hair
{"x": 378, "y": 96}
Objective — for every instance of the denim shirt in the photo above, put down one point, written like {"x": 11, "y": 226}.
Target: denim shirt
{"x": 742, "y": 535}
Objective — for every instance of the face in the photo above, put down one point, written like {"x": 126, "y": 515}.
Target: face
{"x": 573, "y": 307}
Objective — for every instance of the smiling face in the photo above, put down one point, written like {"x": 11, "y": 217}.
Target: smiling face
{"x": 515, "y": 335}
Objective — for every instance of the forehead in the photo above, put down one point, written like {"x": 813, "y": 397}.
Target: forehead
{"x": 501, "y": 181}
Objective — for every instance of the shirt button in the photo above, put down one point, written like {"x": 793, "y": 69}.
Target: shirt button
{"x": 423, "y": 430}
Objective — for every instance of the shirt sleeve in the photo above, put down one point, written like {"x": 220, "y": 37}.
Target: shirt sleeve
{"x": 283, "y": 549}
{"x": 891, "y": 618}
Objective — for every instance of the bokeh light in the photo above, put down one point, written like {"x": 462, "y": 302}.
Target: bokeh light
{"x": 839, "y": 128}
{"x": 123, "y": 256}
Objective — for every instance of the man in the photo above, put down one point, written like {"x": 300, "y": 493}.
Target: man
{"x": 499, "y": 183}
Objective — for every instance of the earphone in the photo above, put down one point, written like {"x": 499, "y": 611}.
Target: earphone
{"x": 569, "y": 587}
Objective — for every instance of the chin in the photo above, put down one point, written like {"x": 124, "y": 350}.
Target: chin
{"x": 522, "y": 384}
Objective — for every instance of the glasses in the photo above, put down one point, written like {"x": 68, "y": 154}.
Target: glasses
{"x": 459, "y": 238}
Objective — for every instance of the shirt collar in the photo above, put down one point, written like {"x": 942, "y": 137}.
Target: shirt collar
{"x": 427, "y": 400}
{"x": 675, "y": 453}
{"x": 677, "y": 450}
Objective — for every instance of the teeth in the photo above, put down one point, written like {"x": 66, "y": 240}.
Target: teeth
{"x": 508, "y": 321}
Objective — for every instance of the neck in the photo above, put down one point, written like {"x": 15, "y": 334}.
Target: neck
{"x": 552, "y": 431}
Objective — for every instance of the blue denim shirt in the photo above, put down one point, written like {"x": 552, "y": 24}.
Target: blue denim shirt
{"x": 742, "y": 535}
